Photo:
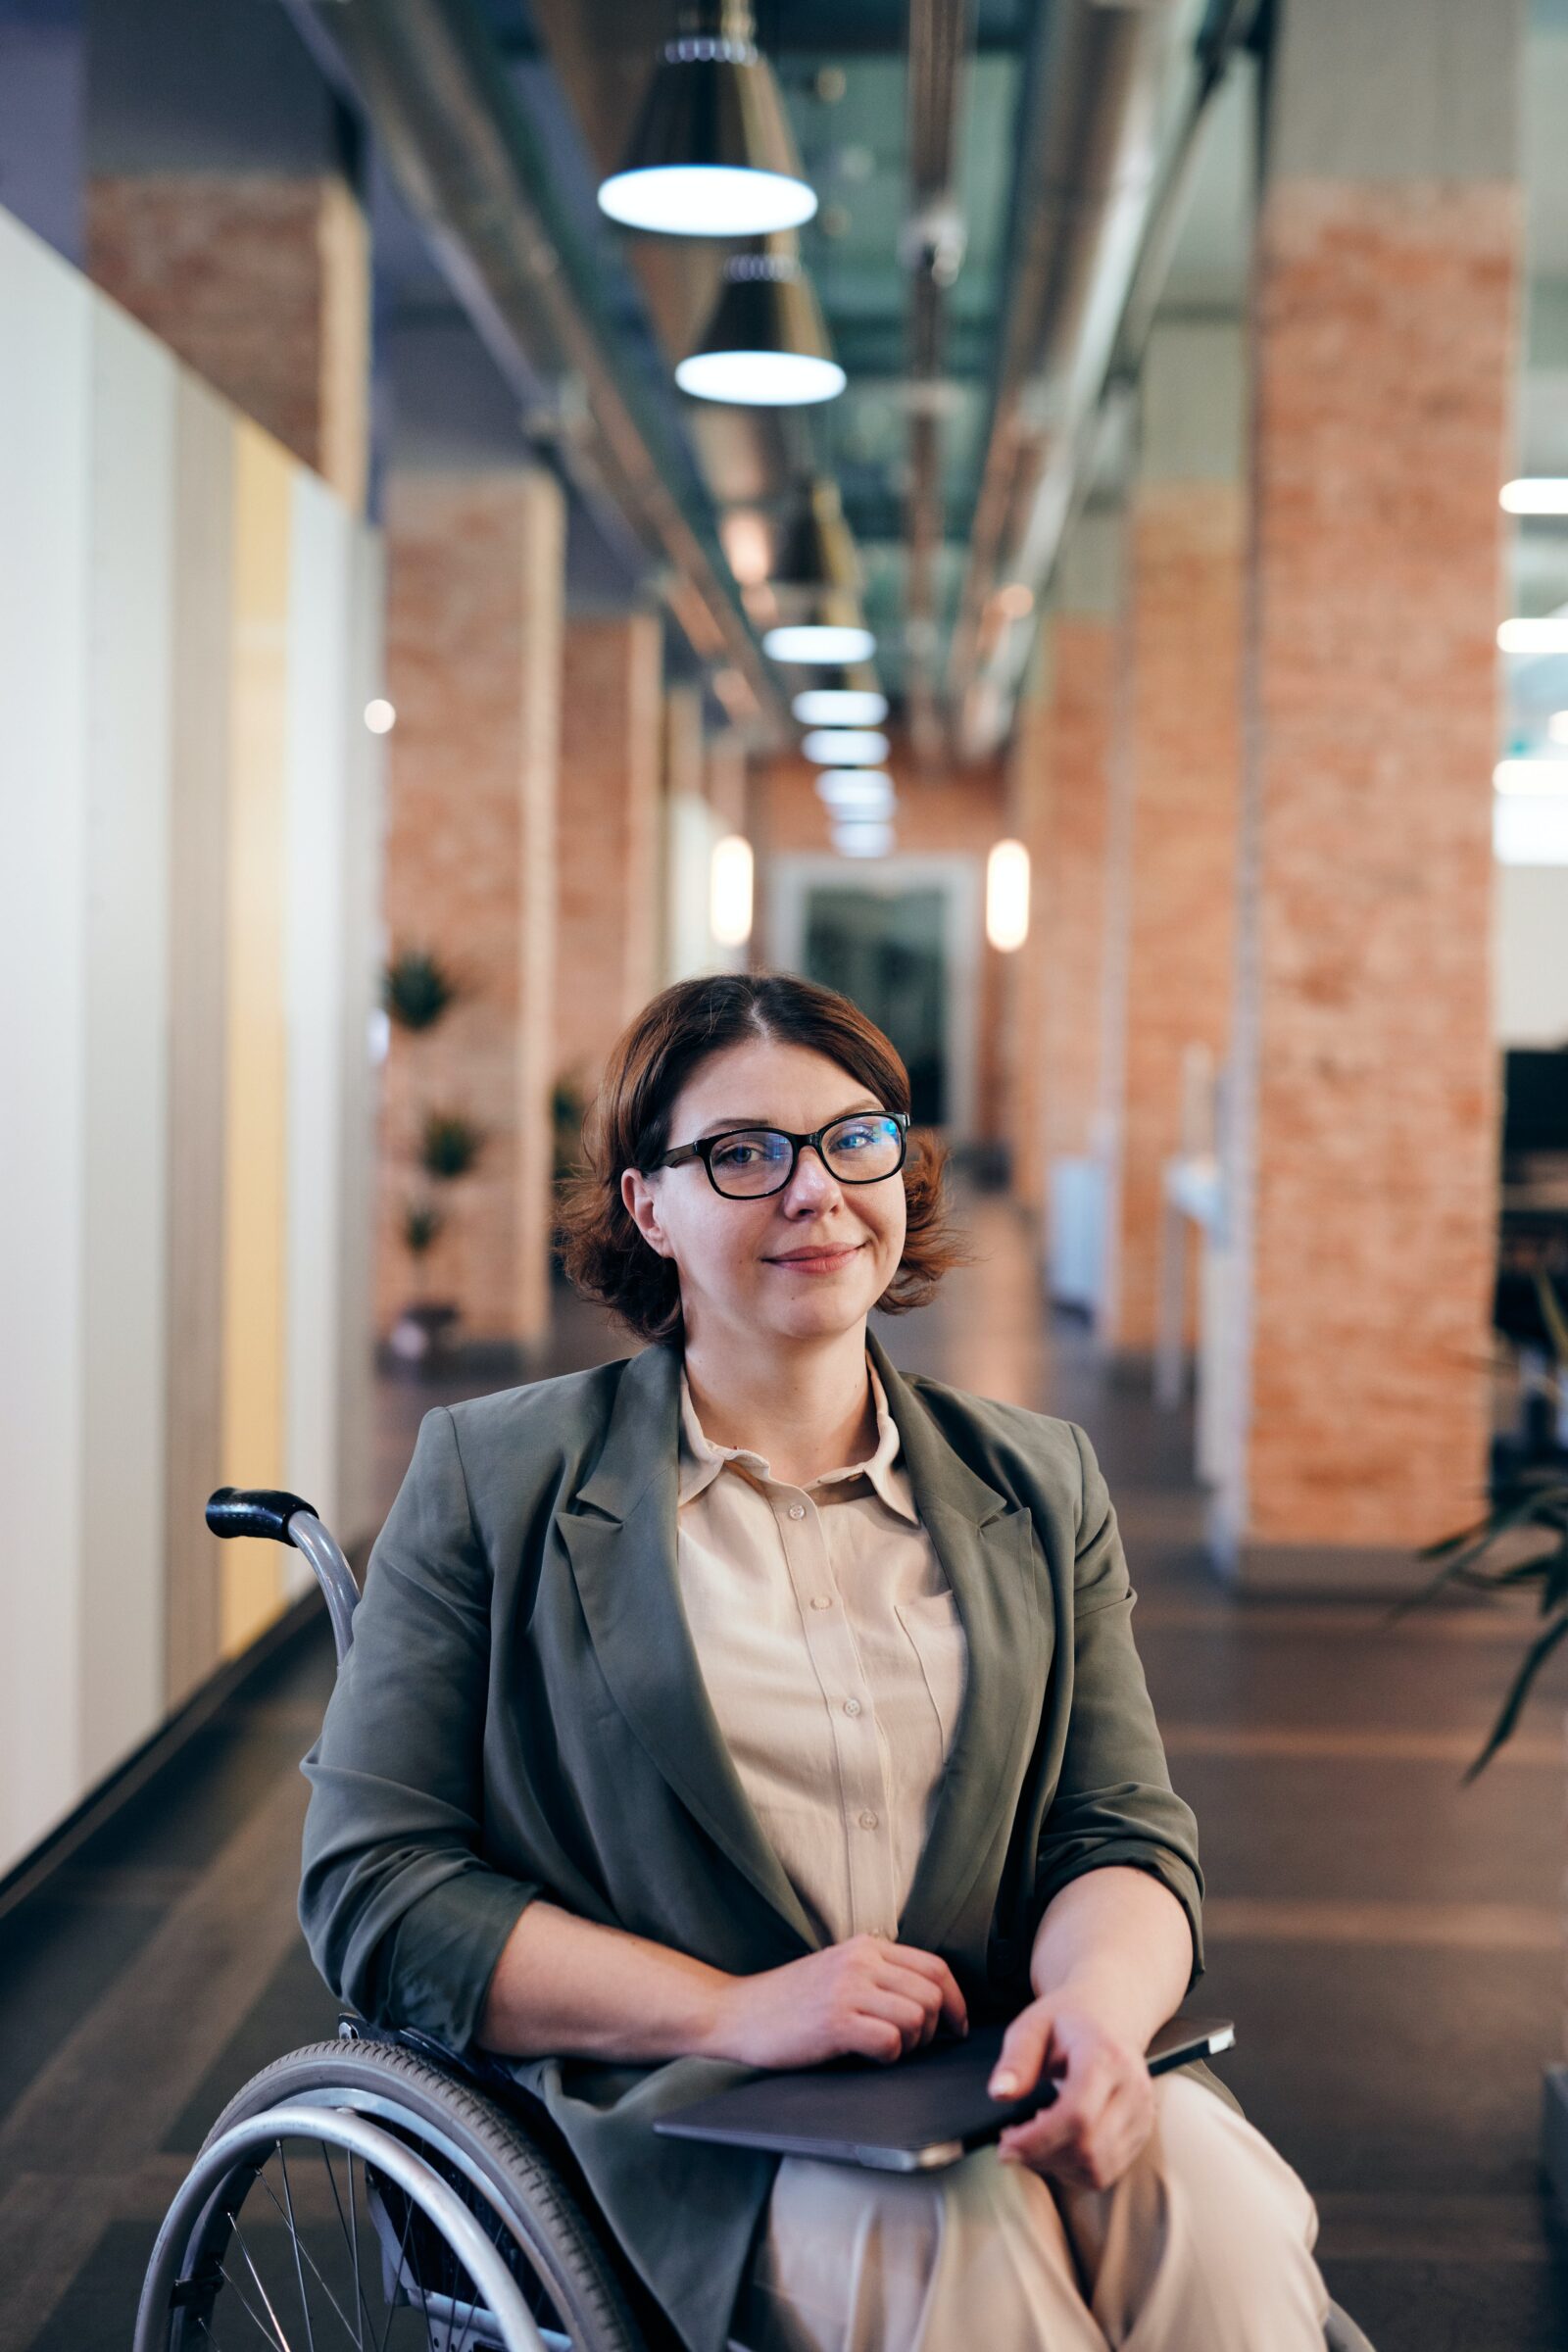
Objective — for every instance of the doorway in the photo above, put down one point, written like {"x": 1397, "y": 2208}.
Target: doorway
{"x": 900, "y": 943}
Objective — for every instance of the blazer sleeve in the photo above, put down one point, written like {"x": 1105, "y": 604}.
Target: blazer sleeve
{"x": 403, "y": 1917}
{"x": 1114, "y": 1801}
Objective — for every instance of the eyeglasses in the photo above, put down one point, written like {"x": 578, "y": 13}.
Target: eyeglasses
{"x": 747, "y": 1163}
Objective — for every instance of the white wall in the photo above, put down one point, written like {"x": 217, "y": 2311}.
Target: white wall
{"x": 1530, "y": 956}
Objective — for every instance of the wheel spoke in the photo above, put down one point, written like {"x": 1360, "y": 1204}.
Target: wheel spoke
{"x": 261, "y": 2288}
{"x": 397, "y": 2274}
{"x": 331, "y": 2179}
{"x": 294, "y": 2240}
{"x": 300, "y": 2249}
{"x": 247, "y": 2306}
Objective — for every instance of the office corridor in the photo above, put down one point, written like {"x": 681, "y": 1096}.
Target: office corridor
{"x": 1389, "y": 1942}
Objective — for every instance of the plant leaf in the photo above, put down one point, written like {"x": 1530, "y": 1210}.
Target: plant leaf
{"x": 1534, "y": 1659}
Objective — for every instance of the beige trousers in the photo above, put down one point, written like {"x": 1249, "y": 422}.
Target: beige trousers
{"x": 1203, "y": 2245}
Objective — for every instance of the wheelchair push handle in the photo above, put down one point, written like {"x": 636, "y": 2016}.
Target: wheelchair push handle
{"x": 279, "y": 1517}
{"x": 254, "y": 1511}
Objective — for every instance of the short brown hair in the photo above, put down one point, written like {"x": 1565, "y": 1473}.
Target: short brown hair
{"x": 627, "y": 1126}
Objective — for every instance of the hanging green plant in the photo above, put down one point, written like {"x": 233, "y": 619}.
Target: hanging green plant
{"x": 417, "y": 989}
{"x": 422, "y": 1224}
{"x": 449, "y": 1144}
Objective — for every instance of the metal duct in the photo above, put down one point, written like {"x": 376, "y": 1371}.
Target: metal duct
{"x": 1107, "y": 138}
{"x": 940, "y": 39}
{"x": 468, "y": 166}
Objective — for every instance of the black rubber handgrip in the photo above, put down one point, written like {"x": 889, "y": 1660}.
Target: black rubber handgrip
{"x": 254, "y": 1511}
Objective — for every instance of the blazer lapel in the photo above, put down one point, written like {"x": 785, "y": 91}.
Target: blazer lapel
{"x": 984, "y": 1542}
{"x": 623, "y": 1554}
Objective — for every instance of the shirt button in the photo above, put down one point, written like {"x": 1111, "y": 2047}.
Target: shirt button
{"x": 820, "y": 1600}
{"x": 851, "y": 1706}
{"x": 869, "y": 1819}
{"x": 796, "y": 1510}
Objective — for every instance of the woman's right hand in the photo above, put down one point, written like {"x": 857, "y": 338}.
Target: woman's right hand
{"x": 869, "y": 1997}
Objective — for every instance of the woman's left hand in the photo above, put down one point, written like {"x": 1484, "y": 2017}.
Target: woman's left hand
{"x": 1103, "y": 2109}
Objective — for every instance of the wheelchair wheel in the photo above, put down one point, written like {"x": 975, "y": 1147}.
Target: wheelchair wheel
{"x": 353, "y": 2194}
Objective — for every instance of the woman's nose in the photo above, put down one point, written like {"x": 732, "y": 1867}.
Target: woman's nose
{"x": 813, "y": 1180}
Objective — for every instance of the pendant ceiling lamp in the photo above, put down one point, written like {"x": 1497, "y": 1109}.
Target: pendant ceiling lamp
{"x": 844, "y": 747}
{"x": 711, "y": 155}
{"x": 828, "y": 642}
{"x": 840, "y": 707}
{"x": 817, "y": 551}
{"x": 765, "y": 345}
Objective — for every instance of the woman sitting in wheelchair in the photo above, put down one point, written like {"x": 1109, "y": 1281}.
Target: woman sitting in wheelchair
{"x": 745, "y": 1704}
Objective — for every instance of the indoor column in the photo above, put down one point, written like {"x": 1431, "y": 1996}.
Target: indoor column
{"x": 474, "y": 670}
{"x": 1171, "y": 877}
{"x": 1362, "y": 1166}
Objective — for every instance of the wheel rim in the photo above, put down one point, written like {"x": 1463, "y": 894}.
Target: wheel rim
{"x": 309, "y": 2229}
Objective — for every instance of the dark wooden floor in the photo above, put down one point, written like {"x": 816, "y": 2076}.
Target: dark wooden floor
{"x": 1390, "y": 1943}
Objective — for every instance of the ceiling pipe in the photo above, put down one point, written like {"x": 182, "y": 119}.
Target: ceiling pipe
{"x": 941, "y": 42}
{"x": 1104, "y": 158}
{"x": 471, "y": 169}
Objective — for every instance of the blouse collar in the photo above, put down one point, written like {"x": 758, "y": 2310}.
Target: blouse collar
{"x": 701, "y": 1460}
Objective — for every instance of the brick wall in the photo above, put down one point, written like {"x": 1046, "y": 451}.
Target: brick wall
{"x": 1365, "y": 1153}
{"x": 608, "y": 912}
{"x": 1173, "y": 879}
{"x": 1071, "y": 900}
{"x": 260, "y": 283}
{"x": 472, "y": 668}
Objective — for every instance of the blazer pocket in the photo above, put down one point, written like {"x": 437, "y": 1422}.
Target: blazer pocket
{"x": 935, "y": 1632}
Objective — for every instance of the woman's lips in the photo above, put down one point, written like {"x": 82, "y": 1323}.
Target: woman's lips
{"x": 819, "y": 1262}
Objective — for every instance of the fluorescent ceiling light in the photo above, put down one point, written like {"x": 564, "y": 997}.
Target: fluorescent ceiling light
{"x": 1530, "y": 777}
{"x": 761, "y": 379}
{"x": 1007, "y": 895}
{"x": 1530, "y": 832}
{"x": 1534, "y": 494}
{"x": 729, "y": 891}
{"x": 1548, "y": 635}
{"x": 846, "y": 746}
{"x": 865, "y": 789}
{"x": 815, "y": 641}
{"x": 840, "y": 706}
{"x": 707, "y": 200}
{"x": 854, "y": 840}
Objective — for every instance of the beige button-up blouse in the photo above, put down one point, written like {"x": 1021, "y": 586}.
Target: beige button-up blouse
{"x": 834, "y": 1657}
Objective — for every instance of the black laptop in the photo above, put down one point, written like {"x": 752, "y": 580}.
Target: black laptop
{"x": 913, "y": 2115}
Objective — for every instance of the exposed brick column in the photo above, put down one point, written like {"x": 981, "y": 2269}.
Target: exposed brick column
{"x": 608, "y": 910}
{"x": 1361, "y": 1166}
{"x": 1070, "y": 900}
{"x": 1028, "y": 790}
{"x": 260, "y": 280}
{"x": 1171, "y": 877}
{"x": 474, "y": 667}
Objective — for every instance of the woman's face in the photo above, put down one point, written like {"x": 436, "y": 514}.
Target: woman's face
{"x": 735, "y": 1256}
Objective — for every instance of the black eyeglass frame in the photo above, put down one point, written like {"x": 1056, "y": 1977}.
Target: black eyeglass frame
{"x": 704, "y": 1146}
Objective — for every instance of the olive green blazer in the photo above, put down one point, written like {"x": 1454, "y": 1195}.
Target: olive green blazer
{"x": 523, "y": 1713}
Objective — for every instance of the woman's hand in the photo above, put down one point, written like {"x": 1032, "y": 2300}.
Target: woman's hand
{"x": 1103, "y": 2109}
{"x": 869, "y": 1997}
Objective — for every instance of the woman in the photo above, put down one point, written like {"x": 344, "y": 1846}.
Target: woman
{"x": 743, "y": 1703}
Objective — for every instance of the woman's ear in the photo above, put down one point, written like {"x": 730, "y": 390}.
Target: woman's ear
{"x": 643, "y": 1209}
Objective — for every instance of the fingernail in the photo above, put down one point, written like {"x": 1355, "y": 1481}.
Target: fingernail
{"x": 1004, "y": 2084}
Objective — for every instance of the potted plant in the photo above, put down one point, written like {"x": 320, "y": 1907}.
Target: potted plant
{"x": 423, "y": 1324}
{"x": 418, "y": 988}
{"x": 1521, "y": 1546}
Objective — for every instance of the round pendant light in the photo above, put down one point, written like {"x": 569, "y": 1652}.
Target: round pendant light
{"x": 711, "y": 154}
{"x": 856, "y": 791}
{"x": 846, "y": 746}
{"x": 816, "y": 552}
{"x": 812, "y": 642}
{"x": 840, "y": 707}
{"x": 765, "y": 345}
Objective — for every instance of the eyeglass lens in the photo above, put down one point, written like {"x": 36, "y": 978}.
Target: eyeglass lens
{"x": 756, "y": 1159}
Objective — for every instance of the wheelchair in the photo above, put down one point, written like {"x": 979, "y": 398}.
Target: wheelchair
{"x": 388, "y": 2193}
